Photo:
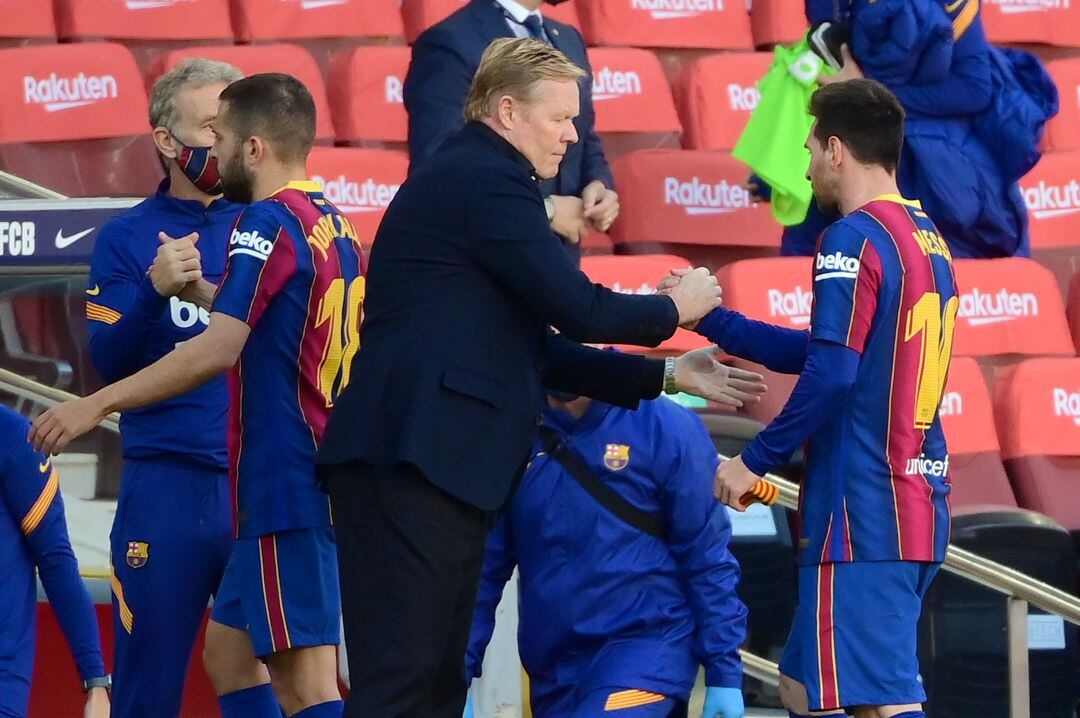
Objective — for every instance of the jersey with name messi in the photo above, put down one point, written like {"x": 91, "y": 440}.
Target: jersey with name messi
{"x": 877, "y": 477}
{"x": 295, "y": 275}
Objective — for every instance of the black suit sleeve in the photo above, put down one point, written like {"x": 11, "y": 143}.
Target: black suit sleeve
{"x": 435, "y": 90}
{"x": 510, "y": 238}
{"x": 611, "y": 377}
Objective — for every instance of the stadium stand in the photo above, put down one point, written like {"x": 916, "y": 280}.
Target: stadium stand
{"x": 365, "y": 86}
{"x": 148, "y": 20}
{"x": 634, "y": 108}
{"x": 1052, "y": 194}
{"x": 775, "y": 21}
{"x": 967, "y": 418}
{"x": 691, "y": 204}
{"x": 27, "y": 22}
{"x": 1037, "y": 406}
{"x": 1061, "y": 130}
{"x": 75, "y": 120}
{"x": 1055, "y": 22}
{"x": 270, "y": 20}
{"x": 1072, "y": 310}
{"x": 712, "y": 25}
{"x": 638, "y": 275}
{"x": 360, "y": 182}
{"x": 419, "y": 15}
{"x": 715, "y": 97}
{"x": 251, "y": 59}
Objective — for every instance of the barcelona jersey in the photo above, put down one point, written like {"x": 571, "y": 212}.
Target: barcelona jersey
{"x": 295, "y": 275}
{"x": 877, "y": 474}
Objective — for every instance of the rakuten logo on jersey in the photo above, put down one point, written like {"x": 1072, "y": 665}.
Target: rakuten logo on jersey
{"x": 250, "y": 243}
{"x": 63, "y": 93}
{"x": 611, "y": 84}
{"x": 979, "y": 307}
{"x": 350, "y": 197}
{"x": 952, "y": 404}
{"x": 743, "y": 99}
{"x": 1067, "y": 404}
{"x": 675, "y": 9}
{"x": 923, "y": 466}
{"x": 795, "y": 306}
{"x": 1014, "y": 7}
{"x": 697, "y": 197}
{"x": 1046, "y": 200}
{"x": 835, "y": 266}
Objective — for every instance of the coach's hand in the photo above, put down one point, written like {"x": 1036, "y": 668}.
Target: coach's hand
{"x": 732, "y": 481}
{"x": 97, "y": 704}
{"x": 694, "y": 291}
{"x": 699, "y": 373}
{"x": 177, "y": 264}
{"x": 723, "y": 703}
{"x": 601, "y": 205}
{"x": 62, "y": 424}
{"x": 569, "y": 222}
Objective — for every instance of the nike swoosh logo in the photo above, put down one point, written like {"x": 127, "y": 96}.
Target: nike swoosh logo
{"x": 44, "y": 467}
{"x": 952, "y": 6}
{"x": 63, "y": 242}
{"x": 95, "y": 291}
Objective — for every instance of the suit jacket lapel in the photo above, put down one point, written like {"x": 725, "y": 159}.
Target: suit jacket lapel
{"x": 490, "y": 18}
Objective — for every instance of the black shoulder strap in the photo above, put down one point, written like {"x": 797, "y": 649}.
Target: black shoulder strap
{"x": 601, "y": 492}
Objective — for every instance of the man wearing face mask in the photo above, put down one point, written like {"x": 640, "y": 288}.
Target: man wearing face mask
{"x": 582, "y": 196}
{"x": 173, "y": 528}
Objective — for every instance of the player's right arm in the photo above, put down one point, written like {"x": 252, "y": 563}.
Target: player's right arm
{"x": 499, "y": 563}
{"x": 778, "y": 349}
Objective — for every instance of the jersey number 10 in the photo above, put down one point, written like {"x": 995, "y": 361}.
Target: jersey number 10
{"x": 342, "y": 310}
{"x": 926, "y": 319}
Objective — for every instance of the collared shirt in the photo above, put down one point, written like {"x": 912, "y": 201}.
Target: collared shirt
{"x": 517, "y": 13}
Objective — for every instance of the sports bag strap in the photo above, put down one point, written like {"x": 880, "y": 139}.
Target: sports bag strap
{"x": 603, "y": 493}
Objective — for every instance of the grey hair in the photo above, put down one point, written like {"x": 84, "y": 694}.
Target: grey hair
{"x": 194, "y": 72}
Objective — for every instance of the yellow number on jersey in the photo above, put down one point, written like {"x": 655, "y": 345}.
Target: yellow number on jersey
{"x": 343, "y": 310}
{"x": 925, "y": 318}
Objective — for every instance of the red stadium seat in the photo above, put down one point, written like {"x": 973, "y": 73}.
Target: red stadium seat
{"x": 360, "y": 182}
{"x": 639, "y": 275}
{"x": 259, "y": 20}
{"x": 716, "y": 95}
{"x": 1060, "y": 131}
{"x": 75, "y": 120}
{"x": 419, "y": 15}
{"x": 1052, "y": 194}
{"x": 1072, "y": 310}
{"x": 691, "y": 203}
{"x": 1055, "y": 22}
{"x": 144, "y": 19}
{"x": 707, "y": 24}
{"x": 366, "y": 94}
{"x": 634, "y": 109}
{"x": 251, "y": 59}
{"x": 1009, "y": 307}
{"x": 26, "y": 21}
{"x": 776, "y": 290}
{"x": 1037, "y": 404}
{"x": 967, "y": 418}
{"x": 777, "y": 21}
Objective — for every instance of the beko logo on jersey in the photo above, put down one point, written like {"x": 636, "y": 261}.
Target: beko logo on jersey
{"x": 1067, "y": 404}
{"x": 836, "y": 266}
{"x": 795, "y": 306}
{"x": 611, "y": 84}
{"x": 675, "y": 9}
{"x": 1047, "y": 200}
{"x": 349, "y": 196}
{"x": 702, "y": 198}
{"x": 63, "y": 93}
{"x": 923, "y": 466}
{"x": 981, "y": 308}
{"x": 952, "y": 404}
{"x": 186, "y": 315}
{"x": 251, "y": 244}
{"x": 1013, "y": 7}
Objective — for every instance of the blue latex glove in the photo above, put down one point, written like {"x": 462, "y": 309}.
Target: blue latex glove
{"x": 468, "y": 712}
{"x": 723, "y": 703}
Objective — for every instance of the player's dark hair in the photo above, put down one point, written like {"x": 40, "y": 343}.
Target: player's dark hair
{"x": 275, "y": 106}
{"x": 865, "y": 116}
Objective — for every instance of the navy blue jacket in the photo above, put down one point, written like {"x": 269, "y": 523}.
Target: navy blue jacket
{"x": 444, "y": 60}
{"x": 602, "y": 603}
{"x": 132, "y": 326}
{"x": 464, "y": 280}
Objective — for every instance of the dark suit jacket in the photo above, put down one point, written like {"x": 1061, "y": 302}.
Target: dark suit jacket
{"x": 464, "y": 280}
{"x": 444, "y": 60}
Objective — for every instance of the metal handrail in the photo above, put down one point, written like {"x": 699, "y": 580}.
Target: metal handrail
{"x": 49, "y": 395}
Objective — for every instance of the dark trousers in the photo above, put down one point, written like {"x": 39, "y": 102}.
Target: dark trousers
{"x": 410, "y": 557}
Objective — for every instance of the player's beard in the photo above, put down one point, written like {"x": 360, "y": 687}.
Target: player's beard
{"x": 237, "y": 181}
{"x": 828, "y": 199}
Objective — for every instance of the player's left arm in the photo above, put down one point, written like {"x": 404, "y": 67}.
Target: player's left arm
{"x": 846, "y": 284}
{"x": 699, "y": 532}
{"x": 31, "y": 494}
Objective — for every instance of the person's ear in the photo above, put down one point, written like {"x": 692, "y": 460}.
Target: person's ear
{"x": 506, "y": 111}
{"x": 165, "y": 142}
{"x": 835, "y": 152}
{"x": 255, "y": 150}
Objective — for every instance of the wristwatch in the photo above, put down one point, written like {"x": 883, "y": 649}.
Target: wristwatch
{"x": 549, "y": 205}
{"x": 104, "y": 681}
{"x": 669, "y": 376}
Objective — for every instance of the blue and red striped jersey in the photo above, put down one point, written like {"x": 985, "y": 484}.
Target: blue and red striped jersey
{"x": 877, "y": 481}
{"x": 295, "y": 275}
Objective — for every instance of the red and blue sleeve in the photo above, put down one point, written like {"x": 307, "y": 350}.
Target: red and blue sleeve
{"x": 262, "y": 258}
{"x": 778, "y": 349}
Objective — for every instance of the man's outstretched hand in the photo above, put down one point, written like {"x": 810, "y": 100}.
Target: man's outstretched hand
{"x": 694, "y": 291}
{"x": 62, "y": 424}
{"x": 699, "y": 373}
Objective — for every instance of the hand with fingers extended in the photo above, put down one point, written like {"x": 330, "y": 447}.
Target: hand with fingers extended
{"x": 694, "y": 291}
{"x": 699, "y": 373}
{"x": 177, "y": 264}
